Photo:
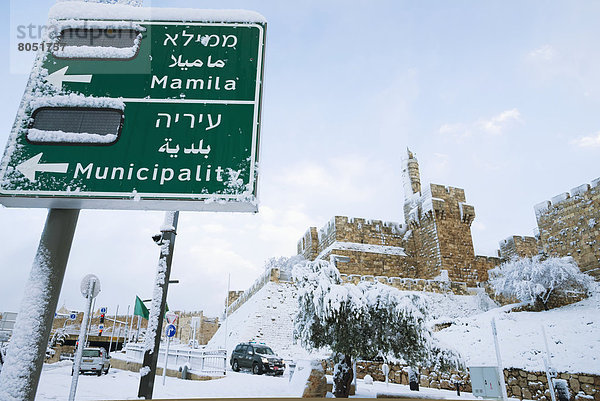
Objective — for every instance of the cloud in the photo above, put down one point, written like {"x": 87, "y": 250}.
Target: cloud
{"x": 493, "y": 126}
{"x": 569, "y": 63}
{"x": 478, "y": 226}
{"x": 496, "y": 124}
{"x": 592, "y": 141}
{"x": 544, "y": 53}
{"x": 347, "y": 177}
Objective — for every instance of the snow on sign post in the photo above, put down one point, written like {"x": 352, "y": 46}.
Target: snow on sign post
{"x": 169, "y": 332}
{"x": 131, "y": 108}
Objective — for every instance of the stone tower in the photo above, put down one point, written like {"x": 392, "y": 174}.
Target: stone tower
{"x": 440, "y": 222}
{"x": 410, "y": 174}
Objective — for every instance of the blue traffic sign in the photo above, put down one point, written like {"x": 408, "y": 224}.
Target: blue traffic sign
{"x": 73, "y": 316}
{"x": 103, "y": 310}
{"x": 171, "y": 330}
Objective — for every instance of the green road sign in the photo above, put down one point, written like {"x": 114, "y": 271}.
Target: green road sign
{"x": 140, "y": 114}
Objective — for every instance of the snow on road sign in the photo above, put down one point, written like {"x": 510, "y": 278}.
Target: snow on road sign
{"x": 165, "y": 116}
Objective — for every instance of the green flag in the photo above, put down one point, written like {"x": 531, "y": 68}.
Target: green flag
{"x": 140, "y": 308}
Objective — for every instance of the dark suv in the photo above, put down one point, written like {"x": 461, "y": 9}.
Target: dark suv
{"x": 258, "y": 357}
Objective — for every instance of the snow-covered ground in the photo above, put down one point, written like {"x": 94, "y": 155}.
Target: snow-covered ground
{"x": 119, "y": 384}
{"x": 268, "y": 316}
{"x": 573, "y": 333}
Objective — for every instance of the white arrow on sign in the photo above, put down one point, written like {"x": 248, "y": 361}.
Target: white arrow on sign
{"x": 58, "y": 77}
{"x": 29, "y": 167}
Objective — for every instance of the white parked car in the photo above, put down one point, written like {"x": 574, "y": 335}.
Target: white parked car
{"x": 94, "y": 360}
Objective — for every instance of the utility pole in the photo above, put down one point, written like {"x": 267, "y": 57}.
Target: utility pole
{"x": 166, "y": 240}
{"x": 21, "y": 371}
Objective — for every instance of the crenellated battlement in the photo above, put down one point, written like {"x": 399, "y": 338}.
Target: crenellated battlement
{"x": 308, "y": 245}
{"x": 352, "y": 230}
{"x": 446, "y": 193}
{"x": 371, "y": 246}
{"x": 569, "y": 225}
{"x": 573, "y": 195}
{"x": 519, "y": 246}
{"x": 437, "y": 234}
{"x": 364, "y": 231}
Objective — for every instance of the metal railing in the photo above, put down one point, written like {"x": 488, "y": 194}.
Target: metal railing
{"x": 213, "y": 362}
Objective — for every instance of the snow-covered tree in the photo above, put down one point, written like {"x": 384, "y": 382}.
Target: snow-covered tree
{"x": 537, "y": 281}
{"x": 59, "y": 337}
{"x": 365, "y": 320}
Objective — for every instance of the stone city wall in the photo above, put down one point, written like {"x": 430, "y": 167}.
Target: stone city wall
{"x": 482, "y": 264}
{"x": 401, "y": 283}
{"x": 569, "y": 225}
{"x": 520, "y": 383}
{"x": 264, "y": 278}
{"x": 410, "y": 284}
{"x": 205, "y": 330}
{"x": 351, "y": 230}
{"x": 519, "y": 246}
{"x": 372, "y": 263}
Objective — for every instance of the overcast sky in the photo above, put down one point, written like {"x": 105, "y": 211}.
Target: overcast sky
{"x": 500, "y": 98}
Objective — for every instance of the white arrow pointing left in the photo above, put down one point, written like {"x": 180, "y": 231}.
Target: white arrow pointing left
{"x": 57, "y": 78}
{"x": 29, "y": 167}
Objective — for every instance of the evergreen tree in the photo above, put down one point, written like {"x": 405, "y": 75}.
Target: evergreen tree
{"x": 365, "y": 320}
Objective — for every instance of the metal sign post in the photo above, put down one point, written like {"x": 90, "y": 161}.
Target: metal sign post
{"x": 21, "y": 371}
{"x": 90, "y": 287}
{"x": 169, "y": 332}
{"x": 113, "y": 330}
{"x": 159, "y": 302}
{"x": 171, "y": 122}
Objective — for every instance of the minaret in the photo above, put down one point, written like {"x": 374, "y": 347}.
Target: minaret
{"x": 410, "y": 174}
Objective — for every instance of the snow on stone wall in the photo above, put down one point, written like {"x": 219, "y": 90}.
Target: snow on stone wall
{"x": 268, "y": 316}
{"x": 567, "y": 226}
